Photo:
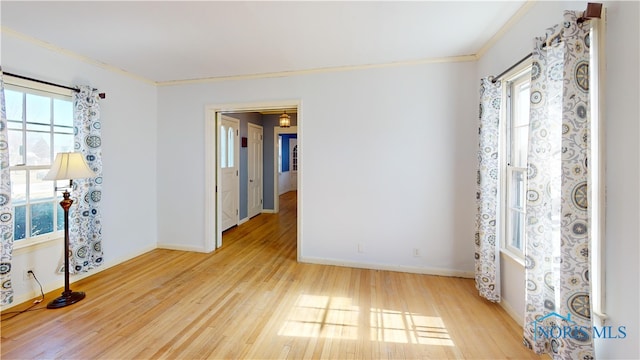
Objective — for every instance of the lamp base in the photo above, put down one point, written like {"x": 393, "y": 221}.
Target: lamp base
{"x": 67, "y": 298}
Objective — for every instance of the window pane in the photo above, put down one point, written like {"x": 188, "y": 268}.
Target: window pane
{"x": 39, "y": 127}
{"x": 19, "y": 222}
{"x": 518, "y": 122}
{"x": 517, "y": 193}
{"x": 38, "y": 109}
{"x": 16, "y": 148}
{"x": 522, "y": 104}
{"x": 60, "y": 225}
{"x": 38, "y": 148}
{"x": 40, "y": 189}
{"x": 231, "y": 151}
{"x": 62, "y": 143}
{"x": 18, "y": 187}
{"x": 63, "y": 113}
{"x": 517, "y": 230}
{"x": 14, "y": 125}
{"x": 223, "y": 147}
{"x": 520, "y": 146}
{"x": 13, "y": 104}
{"x": 41, "y": 218}
{"x": 63, "y": 129}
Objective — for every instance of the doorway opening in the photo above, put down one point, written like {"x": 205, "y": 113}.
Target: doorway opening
{"x": 251, "y": 200}
{"x": 290, "y": 180}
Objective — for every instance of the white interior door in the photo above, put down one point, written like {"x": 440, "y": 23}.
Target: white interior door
{"x": 228, "y": 151}
{"x": 255, "y": 160}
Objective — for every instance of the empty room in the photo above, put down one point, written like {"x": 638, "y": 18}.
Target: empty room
{"x": 320, "y": 179}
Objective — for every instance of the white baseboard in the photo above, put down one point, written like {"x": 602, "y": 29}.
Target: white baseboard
{"x": 507, "y": 307}
{"x": 73, "y": 278}
{"x": 183, "y": 248}
{"x": 268, "y": 211}
{"x": 398, "y": 268}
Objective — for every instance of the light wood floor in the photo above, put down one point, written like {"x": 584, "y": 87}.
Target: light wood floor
{"x": 252, "y": 300}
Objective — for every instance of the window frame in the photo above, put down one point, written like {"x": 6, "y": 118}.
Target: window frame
{"x": 597, "y": 174}
{"x": 515, "y": 78}
{"x": 52, "y": 92}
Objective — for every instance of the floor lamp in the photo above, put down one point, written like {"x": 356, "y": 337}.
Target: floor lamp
{"x": 67, "y": 166}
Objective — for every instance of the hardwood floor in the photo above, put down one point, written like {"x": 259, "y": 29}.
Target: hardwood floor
{"x": 251, "y": 299}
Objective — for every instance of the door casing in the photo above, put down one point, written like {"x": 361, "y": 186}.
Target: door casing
{"x": 212, "y": 224}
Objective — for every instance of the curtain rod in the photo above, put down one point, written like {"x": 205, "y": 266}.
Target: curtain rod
{"x": 593, "y": 11}
{"x": 496, "y": 78}
{"x": 101, "y": 95}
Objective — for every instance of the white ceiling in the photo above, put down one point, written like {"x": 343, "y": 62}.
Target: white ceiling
{"x": 179, "y": 40}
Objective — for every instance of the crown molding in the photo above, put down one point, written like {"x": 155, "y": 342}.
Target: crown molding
{"x": 524, "y": 9}
{"x": 71, "y": 54}
{"x": 450, "y": 59}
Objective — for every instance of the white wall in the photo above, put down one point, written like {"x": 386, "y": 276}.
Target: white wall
{"x": 622, "y": 161}
{"x": 622, "y": 179}
{"x": 389, "y": 159}
{"x": 129, "y": 161}
{"x": 284, "y": 182}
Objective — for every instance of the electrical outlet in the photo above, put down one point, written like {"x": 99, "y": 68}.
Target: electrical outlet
{"x": 26, "y": 275}
{"x": 416, "y": 252}
{"x": 360, "y": 248}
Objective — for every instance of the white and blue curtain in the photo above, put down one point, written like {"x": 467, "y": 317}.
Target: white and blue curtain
{"x": 557, "y": 247}
{"x": 487, "y": 246}
{"x": 85, "y": 229}
{"x": 557, "y": 223}
{"x": 6, "y": 208}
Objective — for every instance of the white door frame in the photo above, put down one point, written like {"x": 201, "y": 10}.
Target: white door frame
{"x": 213, "y": 234}
{"x": 277, "y": 131}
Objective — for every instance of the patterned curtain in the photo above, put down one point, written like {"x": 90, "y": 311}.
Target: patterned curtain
{"x": 558, "y": 314}
{"x": 85, "y": 232}
{"x": 487, "y": 259}
{"x": 6, "y": 208}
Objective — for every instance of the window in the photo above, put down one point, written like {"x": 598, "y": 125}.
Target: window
{"x": 223, "y": 147}
{"x": 230, "y": 147}
{"x": 294, "y": 160}
{"x": 227, "y": 147}
{"x": 40, "y": 125}
{"x": 515, "y": 162}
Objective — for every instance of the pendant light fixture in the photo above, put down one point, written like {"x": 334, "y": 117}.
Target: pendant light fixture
{"x": 285, "y": 120}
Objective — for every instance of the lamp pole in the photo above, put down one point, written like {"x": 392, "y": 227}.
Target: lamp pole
{"x": 68, "y": 297}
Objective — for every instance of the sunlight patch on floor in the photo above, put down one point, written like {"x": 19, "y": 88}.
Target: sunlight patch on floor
{"x": 404, "y": 327}
{"x": 336, "y": 317}
{"x": 322, "y": 316}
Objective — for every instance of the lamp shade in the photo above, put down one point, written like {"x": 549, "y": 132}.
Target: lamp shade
{"x": 69, "y": 165}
